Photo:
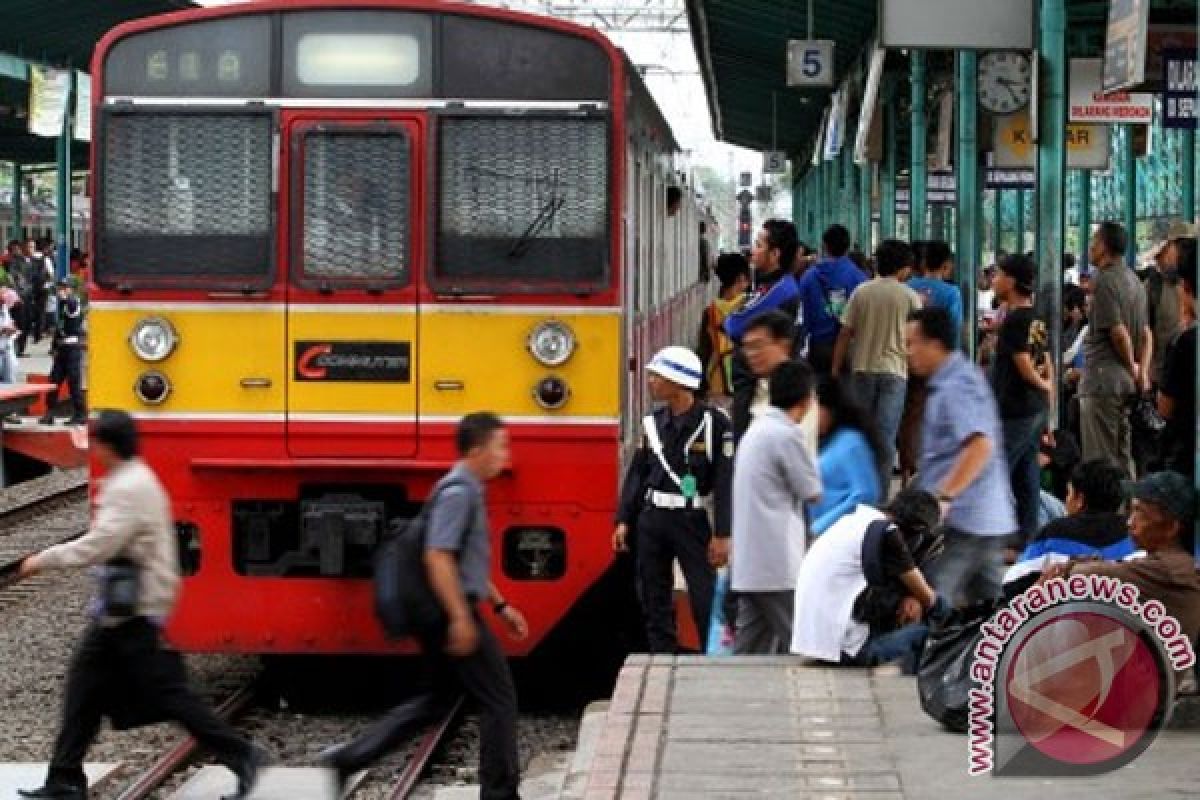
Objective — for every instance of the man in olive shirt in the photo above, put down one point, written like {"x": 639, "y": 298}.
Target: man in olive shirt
{"x": 1117, "y": 351}
{"x": 874, "y": 321}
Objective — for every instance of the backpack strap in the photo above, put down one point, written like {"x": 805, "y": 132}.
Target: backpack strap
{"x": 872, "y": 552}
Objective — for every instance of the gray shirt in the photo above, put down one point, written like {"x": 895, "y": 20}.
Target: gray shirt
{"x": 1117, "y": 299}
{"x": 773, "y": 476}
{"x": 458, "y": 523}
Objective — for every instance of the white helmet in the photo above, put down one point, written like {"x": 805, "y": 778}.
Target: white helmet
{"x": 678, "y": 365}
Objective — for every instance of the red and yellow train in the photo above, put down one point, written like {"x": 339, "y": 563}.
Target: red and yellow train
{"x": 323, "y": 232}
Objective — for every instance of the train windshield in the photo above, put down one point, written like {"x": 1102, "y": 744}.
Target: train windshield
{"x": 186, "y": 197}
{"x": 523, "y": 202}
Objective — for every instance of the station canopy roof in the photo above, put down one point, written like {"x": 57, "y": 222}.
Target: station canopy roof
{"x": 56, "y": 33}
{"x": 742, "y": 49}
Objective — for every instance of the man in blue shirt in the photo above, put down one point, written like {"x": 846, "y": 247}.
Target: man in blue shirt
{"x": 824, "y": 291}
{"x": 775, "y": 289}
{"x": 962, "y": 460}
{"x": 935, "y": 267}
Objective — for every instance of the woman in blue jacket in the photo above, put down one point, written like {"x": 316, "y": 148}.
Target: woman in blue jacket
{"x": 848, "y": 459}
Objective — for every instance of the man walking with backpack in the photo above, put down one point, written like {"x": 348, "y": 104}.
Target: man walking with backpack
{"x": 464, "y": 656}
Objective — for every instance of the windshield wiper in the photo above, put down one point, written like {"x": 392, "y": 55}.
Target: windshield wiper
{"x": 544, "y": 217}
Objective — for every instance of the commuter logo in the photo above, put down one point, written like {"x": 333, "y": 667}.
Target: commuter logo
{"x": 1073, "y": 677}
{"x": 372, "y": 362}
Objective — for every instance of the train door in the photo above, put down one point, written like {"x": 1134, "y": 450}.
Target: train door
{"x": 353, "y": 243}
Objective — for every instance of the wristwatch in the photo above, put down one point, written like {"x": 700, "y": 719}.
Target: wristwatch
{"x": 498, "y": 608}
{"x": 944, "y": 497}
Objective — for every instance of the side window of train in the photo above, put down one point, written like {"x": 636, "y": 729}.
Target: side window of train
{"x": 355, "y": 207}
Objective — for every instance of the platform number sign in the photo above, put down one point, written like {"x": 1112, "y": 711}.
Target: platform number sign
{"x": 774, "y": 162}
{"x": 810, "y": 63}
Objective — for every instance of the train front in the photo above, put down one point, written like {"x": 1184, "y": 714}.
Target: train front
{"x": 322, "y": 235}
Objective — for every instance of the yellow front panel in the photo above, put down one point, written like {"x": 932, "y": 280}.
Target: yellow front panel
{"x": 217, "y": 350}
{"x": 380, "y": 325}
{"x": 487, "y": 353}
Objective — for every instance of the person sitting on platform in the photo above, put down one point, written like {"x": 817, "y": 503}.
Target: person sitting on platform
{"x": 861, "y": 597}
{"x": 1164, "y": 508}
{"x": 1094, "y": 526}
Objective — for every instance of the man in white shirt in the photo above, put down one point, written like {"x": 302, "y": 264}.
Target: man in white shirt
{"x": 861, "y": 596}
{"x": 774, "y": 474}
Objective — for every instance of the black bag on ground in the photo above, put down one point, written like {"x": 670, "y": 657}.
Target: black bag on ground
{"x": 404, "y": 601}
{"x": 944, "y": 672}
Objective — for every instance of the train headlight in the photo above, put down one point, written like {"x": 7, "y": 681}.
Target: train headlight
{"x": 552, "y": 392}
{"x": 551, "y": 343}
{"x": 152, "y": 387}
{"x": 153, "y": 339}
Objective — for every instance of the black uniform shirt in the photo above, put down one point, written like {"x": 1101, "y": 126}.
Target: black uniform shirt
{"x": 713, "y": 471}
{"x": 70, "y": 318}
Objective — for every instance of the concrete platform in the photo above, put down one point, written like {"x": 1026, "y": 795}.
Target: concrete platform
{"x": 276, "y": 783}
{"x": 27, "y": 775}
{"x": 695, "y": 727}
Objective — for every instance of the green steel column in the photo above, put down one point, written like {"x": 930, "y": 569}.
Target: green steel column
{"x": 1129, "y": 165}
{"x": 1085, "y": 214}
{"x": 917, "y": 165}
{"x": 967, "y": 168}
{"x": 887, "y": 180}
{"x": 17, "y": 179}
{"x": 1020, "y": 242}
{"x": 63, "y": 227}
{"x": 1189, "y": 175}
{"x": 997, "y": 197}
{"x": 865, "y": 184}
{"x": 1052, "y": 172}
{"x": 849, "y": 189}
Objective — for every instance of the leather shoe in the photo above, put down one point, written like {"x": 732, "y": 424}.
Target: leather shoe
{"x": 46, "y": 419}
{"x": 54, "y": 792}
{"x": 247, "y": 771}
{"x": 329, "y": 758}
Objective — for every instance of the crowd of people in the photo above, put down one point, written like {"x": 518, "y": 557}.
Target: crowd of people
{"x": 873, "y": 476}
{"x": 35, "y": 304}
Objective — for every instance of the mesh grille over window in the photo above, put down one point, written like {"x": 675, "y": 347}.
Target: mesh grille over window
{"x": 356, "y": 209}
{"x": 523, "y": 200}
{"x": 186, "y": 195}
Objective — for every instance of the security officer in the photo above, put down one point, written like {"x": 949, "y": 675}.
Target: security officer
{"x": 68, "y": 356}
{"x": 683, "y": 468}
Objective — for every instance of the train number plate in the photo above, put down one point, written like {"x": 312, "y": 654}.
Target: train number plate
{"x": 371, "y": 362}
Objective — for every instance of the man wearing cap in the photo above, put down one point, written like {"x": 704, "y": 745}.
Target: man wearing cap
{"x": 684, "y": 467}
{"x": 1162, "y": 299}
{"x": 68, "y": 356}
{"x": 1164, "y": 507}
{"x": 1021, "y": 381}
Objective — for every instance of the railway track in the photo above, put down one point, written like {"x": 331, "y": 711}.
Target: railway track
{"x": 170, "y": 762}
{"x": 428, "y": 744}
{"x": 178, "y": 756}
{"x": 34, "y": 521}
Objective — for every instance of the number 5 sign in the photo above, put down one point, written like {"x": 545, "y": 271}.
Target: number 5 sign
{"x": 810, "y": 62}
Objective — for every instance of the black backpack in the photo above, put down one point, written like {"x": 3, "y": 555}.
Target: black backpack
{"x": 404, "y": 601}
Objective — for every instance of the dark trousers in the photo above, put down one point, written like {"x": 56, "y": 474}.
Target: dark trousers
{"x": 664, "y": 536}
{"x": 485, "y": 677}
{"x": 115, "y": 666}
{"x": 1022, "y": 443}
{"x": 68, "y": 368}
{"x": 20, "y": 315}
{"x": 37, "y": 318}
